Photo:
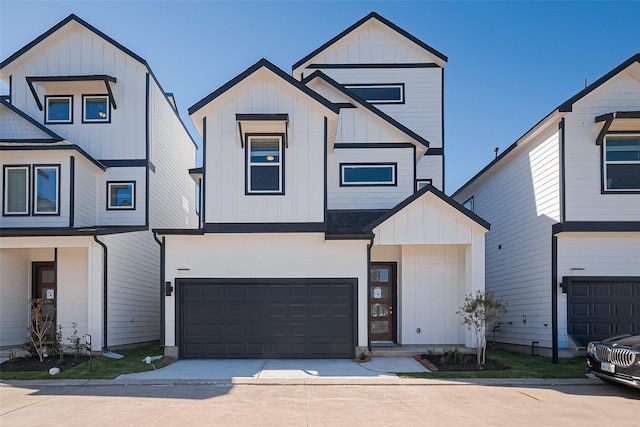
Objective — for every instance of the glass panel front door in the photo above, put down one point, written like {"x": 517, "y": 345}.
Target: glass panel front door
{"x": 381, "y": 300}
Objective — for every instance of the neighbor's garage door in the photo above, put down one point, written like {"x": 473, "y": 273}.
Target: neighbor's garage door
{"x": 314, "y": 318}
{"x": 600, "y": 307}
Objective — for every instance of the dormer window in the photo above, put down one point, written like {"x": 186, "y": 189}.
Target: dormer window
{"x": 264, "y": 164}
{"x": 95, "y": 109}
{"x": 59, "y": 109}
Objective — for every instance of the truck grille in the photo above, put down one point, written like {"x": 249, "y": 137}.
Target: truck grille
{"x": 618, "y": 356}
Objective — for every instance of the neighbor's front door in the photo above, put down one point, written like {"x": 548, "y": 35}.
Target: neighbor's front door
{"x": 382, "y": 301}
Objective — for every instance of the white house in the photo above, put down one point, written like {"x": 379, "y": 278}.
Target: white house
{"x": 564, "y": 205}
{"x": 324, "y": 229}
{"x": 93, "y": 156}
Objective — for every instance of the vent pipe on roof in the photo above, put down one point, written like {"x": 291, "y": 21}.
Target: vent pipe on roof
{"x": 495, "y": 152}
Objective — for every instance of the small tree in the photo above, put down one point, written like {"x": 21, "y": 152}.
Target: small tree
{"x": 40, "y": 325}
{"x": 478, "y": 313}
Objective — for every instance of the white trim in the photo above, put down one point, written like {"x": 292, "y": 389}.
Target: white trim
{"x": 47, "y": 120}
{"x": 279, "y": 163}
{"x": 6, "y": 191}
{"x": 132, "y": 185}
{"x": 107, "y": 117}
{"x": 617, "y": 162}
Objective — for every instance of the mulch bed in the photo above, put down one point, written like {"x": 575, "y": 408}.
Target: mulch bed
{"x": 467, "y": 362}
{"x": 23, "y": 364}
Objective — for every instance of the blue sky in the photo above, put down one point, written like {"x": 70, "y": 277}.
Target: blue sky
{"x": 510, "y": 62}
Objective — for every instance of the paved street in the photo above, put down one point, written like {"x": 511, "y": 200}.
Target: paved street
{"x": 334, "y": 402}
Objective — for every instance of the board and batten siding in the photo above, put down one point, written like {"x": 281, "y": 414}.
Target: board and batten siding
{"x": 74, "y": 50}
{"x": 225, "y": 199}
{"x": 72, "y": 287}
{"x": 290, "y": 255}
{"x": 172, "y": 197}
{"x": 15, "y": 276}
{"x": 37, "y": 157}
{"x": 521, "y": 201}
{"x": 371, "y": 43}
{"x": 134, "y": 288}
{"x": 432, "y": 290}
{"x": 583, "y": 158}
{"x": 369, "y": 197}
{"x": 422, "y": 108}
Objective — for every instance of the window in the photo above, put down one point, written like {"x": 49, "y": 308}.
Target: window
{"x": 121, "y": 195}
{"x": 421, "y": 183}
{"x": 46, "y": 190}
{"x": 59, "y": 109}
{"x": 264, "y": 165}
{"x": 95, "y": 109}
{"x": 379, "y": 93}
{"x": 468, "y": 204}
{"x": 622, "y": 163}
{"x": 16, "y": 190}
{"x": 367, "y": 174}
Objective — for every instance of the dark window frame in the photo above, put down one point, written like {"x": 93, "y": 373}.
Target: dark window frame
{"x": 46, "y": 110}
{"x": 34, "y": 189}
{"x": 247, "y": 164}
{"x": 472, "y": 204}
{"x": 5, "y": 193}
{"x": 401, "y": 86}
{"x": 393, "y": 165}
{"x": 603, "y": 163}
{"x": 133, "y": 206}
{"x": 427, "y": 181}
{"x": 84, "y": 109}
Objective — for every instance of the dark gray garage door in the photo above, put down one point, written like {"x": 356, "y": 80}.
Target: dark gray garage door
{"x": 311, "y": 318}
{"x": 600, "y": 307}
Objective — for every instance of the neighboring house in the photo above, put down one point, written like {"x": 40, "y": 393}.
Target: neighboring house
{"x": 321, "y": 234}
{"x": 93, "y": 155}
{"x": 564, "y": 205}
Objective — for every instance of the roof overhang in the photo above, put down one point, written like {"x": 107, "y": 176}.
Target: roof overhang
{"x": 263, "y": 123}
{"x": 618, "y": 121}
{"x": 108, "y": 80}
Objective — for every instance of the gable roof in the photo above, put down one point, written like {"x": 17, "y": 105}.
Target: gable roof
{"x": 53, "y": 137}
{"x": 61, "y": 24}
{"x": 252, "y": 69}
{"x": 428, "y": 189}
{"x": 382, "y": 20}
{"x": 565, "y": 107}
{"x": 361, "y": 101}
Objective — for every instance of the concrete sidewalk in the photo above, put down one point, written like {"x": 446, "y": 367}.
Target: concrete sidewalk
{"x": 379, "y": 367}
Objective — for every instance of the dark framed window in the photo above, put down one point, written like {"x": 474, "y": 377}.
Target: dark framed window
{"x": 58, "y": 109}
{"x": 392, "y": 93}
{"x": 469, "y": 204}
{"x": 421, "y": 183}
{"x": 46, "y": 189}
{"x": 16, "y": 190}
{"x": 368, "y": 174}
{"x": 121, "y": 195}
{"x": 621, "y": 167}
{"x": 264, "y": 164}
{"x": 96, "y": 109}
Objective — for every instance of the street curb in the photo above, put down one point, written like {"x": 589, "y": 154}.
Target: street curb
{"x": 504, "y": 382}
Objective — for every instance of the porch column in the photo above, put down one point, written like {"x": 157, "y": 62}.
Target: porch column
{"x": 94, "y": 302}
{"x": 475, "y": 272}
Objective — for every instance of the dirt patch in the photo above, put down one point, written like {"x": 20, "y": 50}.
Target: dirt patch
{"x": 33, "y": 364}
{"x": 465, "y": 362}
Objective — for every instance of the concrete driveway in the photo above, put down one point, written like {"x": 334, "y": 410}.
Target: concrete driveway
{"x": 378, "y": 367}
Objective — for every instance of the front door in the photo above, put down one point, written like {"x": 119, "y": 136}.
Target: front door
{"x": 44, "y": 287}
{"x": 382, "y": 302}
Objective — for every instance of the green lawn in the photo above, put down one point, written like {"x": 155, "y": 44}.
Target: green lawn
{"x": 102, "y": 367}
{"x": 520, "y": 366}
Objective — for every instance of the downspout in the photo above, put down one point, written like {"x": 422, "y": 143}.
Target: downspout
{"x": 162, "y": 276}
{"x": 554, "y": 299}
{"x": 104, "y": 291}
